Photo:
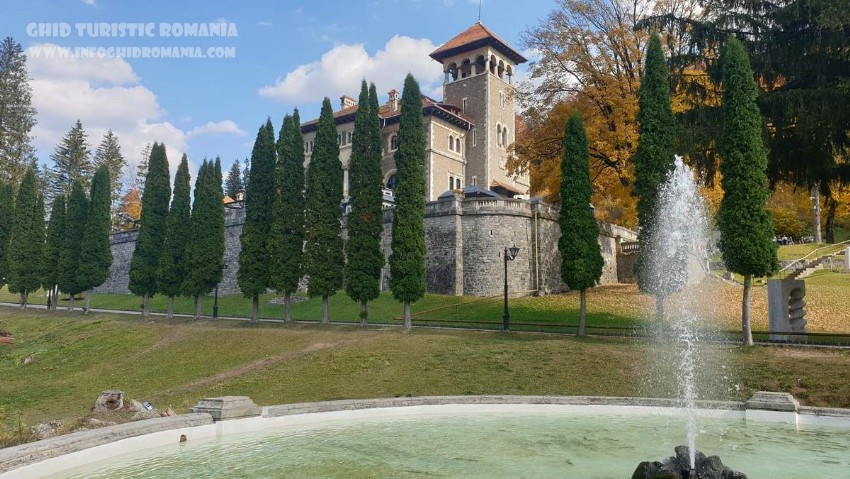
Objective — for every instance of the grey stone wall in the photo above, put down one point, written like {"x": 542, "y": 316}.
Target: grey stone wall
{"x": 465, "y": 241}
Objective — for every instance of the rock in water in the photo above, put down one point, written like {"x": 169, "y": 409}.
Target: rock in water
{"x": 677, "y": 467}
{"x": 109, "y": 401}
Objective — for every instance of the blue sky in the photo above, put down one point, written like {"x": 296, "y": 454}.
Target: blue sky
{"x": 284, "y": 54}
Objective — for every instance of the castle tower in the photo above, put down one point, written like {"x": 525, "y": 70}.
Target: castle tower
{"x": 479, "y": 73}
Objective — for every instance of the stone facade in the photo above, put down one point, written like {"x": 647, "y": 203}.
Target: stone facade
{"x": 465, "y": 240}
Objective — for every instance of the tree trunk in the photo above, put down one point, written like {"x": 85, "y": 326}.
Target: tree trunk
{"x": 146, "y": 303}
{"x": 23, "y": 300}
{"x": 829, "y": 223}
{"x": 659, "y": 310}
{"x": 408, "y": 323}
{"x": 169, "y": 310}
{"x": 745, "y": 310}
{"x": 88, "y": 302}
{"x": 287, "y": 299}
{"x": 197, "y": 312}
{"x": 255, "y": 308}
{"x": 70, "y": 301}
{"x": 364, "y": 313}
{"x": 55, "y": 301}
{"x": 816, "y": 213}
{"x": 325, "y": 306}
{"x": 582, "y": 309}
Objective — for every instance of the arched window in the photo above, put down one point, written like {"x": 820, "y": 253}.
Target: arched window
{"x": 493, "y": 64}
{"x": 505, "y": 137}
{"x": 501, "y": 69}
{"x": 391, "y": 182}
{"x": 394, "y": 143}
{"x": 466, "y": 68}
{"x": 451, "y": 143}
{"x": 452, "y": 72}
{"x": 499, "y": 135}
{"x": 457, "y": 145}
{"x": 480, "y": 64}
{"x": 349, "y": 137}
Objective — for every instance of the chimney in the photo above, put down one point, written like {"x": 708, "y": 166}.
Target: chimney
{"x": 393, "y": 99}
{"x": 346, "y": 101}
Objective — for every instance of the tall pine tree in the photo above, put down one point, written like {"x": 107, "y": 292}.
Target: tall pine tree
{"x": 7, "y": 217}
{"x": 253, "y": 275}
{"x": 17, "y": 115}
{"x": 233, "y": 184}
{"x": 287, "y": 243}
{"x": 26, "y": 246}
{"x": 323, "y": 250}
{"x": 407, "y": 262}
{"x": 177, "y": 235}
{"x": 144, "y": 266}
{"x": 69, "y": 258}
{"x": 95, "y": 253}
{"x": 581, "y": 258}
{"x": 108, "y": 154}
{"x": 71, "y": 161}
{"x": 653, "y": 159}
{"x": 54, "y": 245}
{"x": 746, "y": 228}
{"x": 365, "y": 221}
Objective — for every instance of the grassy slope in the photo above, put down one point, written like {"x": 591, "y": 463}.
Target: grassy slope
{"x": 177, "y": 363}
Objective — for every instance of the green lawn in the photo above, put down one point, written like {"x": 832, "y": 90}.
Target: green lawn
{"x": 176, "y": 363}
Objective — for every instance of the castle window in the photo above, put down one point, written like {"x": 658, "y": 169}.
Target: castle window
{"x": 349, "y": 137}
{"x": 466, "y": 68}
{"x": 339, "y": 139}
{"x": 502, "y": 99}
{"x": 463, "y": 103}
{"x": 474, "y": 181}
{"x": 452, "y": 71}
{"x": 394, "y": 143}
{"x": 501, "y": 69}
{"x": 499, "y": 135}
{"x": 391, "y": 182}
{"x": 457, "y": 183}
{"x": 480, "y": 64}
{"x": 457, "y": 144}
{"x": 451, "y": 143}
{"x": 505, "y": 137}
{"x": 493, "y": 64}
{"x": 473, "y": 137}
{"x": 451, "y": 182}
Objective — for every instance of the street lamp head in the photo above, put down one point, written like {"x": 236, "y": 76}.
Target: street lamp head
{"x": 511, "y": 252}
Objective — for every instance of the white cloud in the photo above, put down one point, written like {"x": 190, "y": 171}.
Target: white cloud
{"x": 341, "y": 69}
{"x": 104, "y": 94}
{"x": 226, "y": 127}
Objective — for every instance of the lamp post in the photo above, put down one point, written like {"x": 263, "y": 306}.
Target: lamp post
{"x": 510, "y": 254}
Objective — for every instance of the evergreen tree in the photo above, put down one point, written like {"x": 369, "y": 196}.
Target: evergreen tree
{"x": 7, "y": 217}
{"x": 53, "y": 250}
{"x": 26, "y": 246}
{"x": 233, "y": 184}
{"x": 177, "y": 236}
{"x": 653, "y": 160}
{"x": 144, "y": 266}
{"x": 253, "y": 275}
{"x": 407, "y": 262}
{"x": 17, "y": 115}
{"x": 205, "y": 251}
{"x": 95, "y": 253}
{"x": 72, "y": 161}
{"x": 365, "y": 221}
{"x": 581, "y": 258}
{"x": 142, "y": 169}
{"x": 246, "y": 173}
{"x": 108, "y": 154}
{"x": 69, "y": 258}
{"x": 323, "y": 250}
{"x": 286, "y": 249}
{"x": 746, "y": 228}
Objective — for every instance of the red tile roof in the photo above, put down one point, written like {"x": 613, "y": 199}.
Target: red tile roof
{"x": 473, "y": 37}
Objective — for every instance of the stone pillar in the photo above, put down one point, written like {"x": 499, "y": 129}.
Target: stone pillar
{"x": 786, "y": 308}
{"x": 459, "y": 254}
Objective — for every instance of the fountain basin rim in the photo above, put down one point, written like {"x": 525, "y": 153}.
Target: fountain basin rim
{"x": 53, "y": 455}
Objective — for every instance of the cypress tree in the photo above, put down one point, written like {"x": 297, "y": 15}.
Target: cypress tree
{"x": 233, "y": 185}
{"x": 177, "y": 234}
{"x": 365, "y": 221}
{"x": 7, "y": 217}
{"x": 407, "y": 262}
{"x": 144, "y": 266}
{"x": 286, "y": 248}
{"x": 26, "y": 246}
{"x": 205, "y": 252}
{"x": 581, "y": 258}
{"x": 653, "y": 160}
{"x": 95, "y": 253}
{"x": 53, "y": 250}
{"x": 69, "y": 258}
{"x": 746, "y": 228}
{"x": 253, "y": 276}
{"x": 109, "y": 153}
{"x": 323, "y": 252}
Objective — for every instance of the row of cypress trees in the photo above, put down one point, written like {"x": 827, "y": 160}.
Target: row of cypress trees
{"x": 70, "y": 253}
{"x": 293, "y": 220}
{"x": 180, "y": 249}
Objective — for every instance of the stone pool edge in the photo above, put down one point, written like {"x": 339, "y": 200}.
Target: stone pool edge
{"x": 14, "y": 458}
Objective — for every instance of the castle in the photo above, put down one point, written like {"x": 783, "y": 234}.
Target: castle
{"x": 474, "y": 207}
{"x": 467, "y": 134}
